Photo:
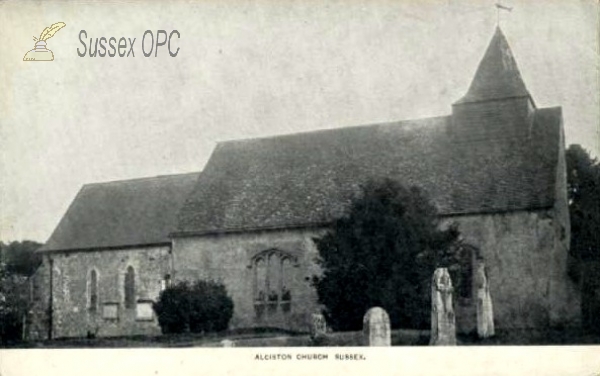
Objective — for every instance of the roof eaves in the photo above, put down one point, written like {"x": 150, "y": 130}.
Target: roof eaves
{"x": 106, "y": 248}
{"x": 227, "y": 231}
{"x": 188, "y": 233}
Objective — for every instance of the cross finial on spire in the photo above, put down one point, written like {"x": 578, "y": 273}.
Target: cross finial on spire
{"x": 500, "y": 7}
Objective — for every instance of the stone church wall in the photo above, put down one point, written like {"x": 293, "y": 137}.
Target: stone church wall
{"x": 525, "y": 255}
{"x": 526, "y": 269}
{"x": 72, "y": 316}
{"x": 231, "y": 259}
{"x": 565, "y": 296}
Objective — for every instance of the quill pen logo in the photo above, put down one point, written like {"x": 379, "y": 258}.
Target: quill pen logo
{"x": 40, "y": 52}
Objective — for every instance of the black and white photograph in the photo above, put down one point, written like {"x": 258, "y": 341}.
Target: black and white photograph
{"x": 301, "y": 182}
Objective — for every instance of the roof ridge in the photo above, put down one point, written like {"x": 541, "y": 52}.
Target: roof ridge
{"x": 140, "y": 178}
{"x": 337, "y": 129}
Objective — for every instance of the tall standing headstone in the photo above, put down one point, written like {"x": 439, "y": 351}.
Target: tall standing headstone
{"x": 485, "y": 310}
{"x": 318, "y": 328}
{"x": 376, "y": 328}
{"x": 443, "y": 326}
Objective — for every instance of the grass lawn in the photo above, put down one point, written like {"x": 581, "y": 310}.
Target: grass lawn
{"x": 280, "y": 338}
{"x": 567, "y": 336}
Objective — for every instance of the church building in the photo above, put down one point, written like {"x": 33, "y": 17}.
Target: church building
{"x": 495, "y": 166}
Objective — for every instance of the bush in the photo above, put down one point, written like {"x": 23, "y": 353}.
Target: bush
{"x": 203, "y": 306}
{"x": 11, "y": 327}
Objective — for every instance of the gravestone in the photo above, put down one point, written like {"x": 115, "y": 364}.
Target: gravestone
{"x": 227, "y": 343}
{"x": 318, "y": 328}
{"x": 443, "y": 326}
{"x": 376, "y": 328}
{"x": 485, "y": 311}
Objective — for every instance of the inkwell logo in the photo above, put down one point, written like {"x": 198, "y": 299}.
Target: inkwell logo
{"x": 40, "y": 52}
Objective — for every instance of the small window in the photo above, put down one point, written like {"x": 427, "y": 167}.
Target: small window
{"x": 130, "y": 288}
{"x": 165, "y": 283}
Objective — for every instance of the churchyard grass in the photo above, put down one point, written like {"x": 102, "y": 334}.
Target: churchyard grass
{"x": 278, "y": 338}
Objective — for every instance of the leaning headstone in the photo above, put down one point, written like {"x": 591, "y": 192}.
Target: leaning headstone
{"x": 443, "y": 327}
{"x": 376, "y": 328}
{"x": 485, "y": 310}
{"x": 318, "y": 328}
{"x": 227, "y": 343}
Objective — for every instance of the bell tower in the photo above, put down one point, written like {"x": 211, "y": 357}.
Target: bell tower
{"x": 497, "y": 104}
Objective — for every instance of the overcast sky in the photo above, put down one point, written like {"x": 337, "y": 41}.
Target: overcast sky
{"x": 252, "y": 69}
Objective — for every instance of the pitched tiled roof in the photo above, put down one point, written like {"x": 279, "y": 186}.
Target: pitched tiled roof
{"x": 497, "y": 75}
{"x": 310, "y": 178}
{"x": 122, "y": 213}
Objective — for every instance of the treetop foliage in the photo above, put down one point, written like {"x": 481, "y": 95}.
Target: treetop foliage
{"x": 20, "y": 257}
{"x": 583, "y": 176}
{"x": 383, "y": 253}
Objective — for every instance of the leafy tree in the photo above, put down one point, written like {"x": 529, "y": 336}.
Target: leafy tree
{"x": 203, "y": 306}
{"x": 13, "y": 304}
{"x": 383, "y": 253}
{"x": 18, "y": 261}
{"x": 20, "y": 257}
{"x": 583, "y": 176}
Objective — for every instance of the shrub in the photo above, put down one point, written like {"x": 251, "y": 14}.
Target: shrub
{"x": 203, "y": 306}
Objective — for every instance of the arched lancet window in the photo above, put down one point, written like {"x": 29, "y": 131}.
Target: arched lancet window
{"x": 273, "y": 282}
{"x": 286, "y": 283}
{"x": 130, "y": 288}
{"x": 260, "y": 285}
{"x": 93, "y": 291}
{"x": 468, "y": 255}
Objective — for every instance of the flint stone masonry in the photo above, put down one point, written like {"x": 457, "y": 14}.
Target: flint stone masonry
{"x": 443, "y": 328}
{"x": 72, "y": 316}
{"x": 376, "y": 328}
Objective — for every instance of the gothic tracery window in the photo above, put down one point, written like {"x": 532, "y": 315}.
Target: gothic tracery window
{"x": 272, "y": 282}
